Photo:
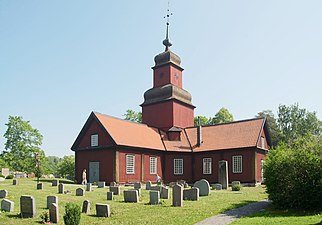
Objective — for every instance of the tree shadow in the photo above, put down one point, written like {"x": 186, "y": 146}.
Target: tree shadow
{"x": 14, "y": 216}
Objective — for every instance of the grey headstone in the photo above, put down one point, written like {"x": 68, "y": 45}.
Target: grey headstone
{"x": 3, "y": 193}
{"x": 186, "y": 185}
{"x": 204, "y": 187}
{"x": 154, "y": 197}
{"x": 139, "y": 191}
{"x": 110, "y": 195}
{"x": 191, "y": 194}
{"x": 137, "y": 185}
{"x": 80, "y": 192}
{"x": 51, "y": 199}
{"x": 223, "y": 173}
{"x": 86, "y": 207}
{"x": 54, "y": 213}
{"x": 61, "y": 188}
{"x": 101, "y": 184}
{"x": 39, "y": 186}
{"x": 7, "y": 205}
{"x": 164, "y": 193}
{"x": 27, "y": 206}
{"x": 103, "y": 210}
{"x": 177, "y": 195}
{"x": 217, "y": 187}
{"x": 5, "y": 171}
{"x": 112, "y": 184}
{"x": 131, "y": 196}
{"x": 155, "y": 188}
{"x": 148, "y": 185}
{"x": 235, "y": 183}
{"x": 181, "y": 182}
{"x": 116, "y": 190}
{"x": 88, "y": 187}
{"x": 14, "y": 182}
{"x": 55, "y": 183}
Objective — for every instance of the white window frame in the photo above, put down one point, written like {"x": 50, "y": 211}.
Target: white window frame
{"x": 262, "y": 169}
{"x": 263, "y": 142}
{"x": 207, "y": 165}
{"x": 178, "y": 166}
{"x": 153, "y": 164}
{"x": 130, "y": 163}
{"x": 237, "y": 163}
{"x": 94, "y": 140}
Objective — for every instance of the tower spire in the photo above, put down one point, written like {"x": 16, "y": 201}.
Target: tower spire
{"x": 166, "y": 42}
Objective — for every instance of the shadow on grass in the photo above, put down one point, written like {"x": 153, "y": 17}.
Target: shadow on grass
{"x": 49, "y": 180}
{"x": 14, "y": 216}
{"x": 238, "y": 205}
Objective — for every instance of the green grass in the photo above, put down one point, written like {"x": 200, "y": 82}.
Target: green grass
{"x": 127, "y": 213}
{"x": 285, "y": 217}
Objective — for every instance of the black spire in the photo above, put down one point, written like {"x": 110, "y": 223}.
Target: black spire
{"x": 166, "y": 42}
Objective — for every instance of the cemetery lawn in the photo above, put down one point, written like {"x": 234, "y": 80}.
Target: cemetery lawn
{"x": 126, "y": 213}
{"x": 288, "y": 217}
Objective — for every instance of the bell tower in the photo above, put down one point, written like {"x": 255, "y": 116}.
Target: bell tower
{"x": 167, "y": 104}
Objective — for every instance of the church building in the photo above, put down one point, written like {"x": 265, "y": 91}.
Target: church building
{"x": 167, "y": 143}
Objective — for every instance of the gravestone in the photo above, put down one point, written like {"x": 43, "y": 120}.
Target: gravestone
{"x": 164, "y": 193}
{"x": 51, "y": 199}
{"x": 235, "y": 183}
{"x": 54, "y": 213}
{"x": 131, "y": 196}
{"x": 86, "y": 207}
{"x": 154, "y": 197}
{"x": 139, "y": 191}
{"x": 155, "y": 188}
{"x": 204, "y": 187}
{"x": 80, "y": 192}
{"x": 148, "y": 185}
{"x": 55, "y": 183}
{"x": 27, "y": 206}
{"x": 88, "y": 187}
{"x": 217, "y": 187}
{"x": 101, "y": 184}
{"x": 116, "y": 190}
{"x": 103, "y": 210}
{"x": 61, "y": 188}
{"x": 112, "y": 184}
{"x": 110, "y": 195}
{"x": 3, "y": 193}
{"x": 14, "y": 182}
{"x": 177, "y": 195}
{"x": 223, "y": 173}
{"x": 137, "y": 185}
{"x": 39, "y": 186}
{"x": 181, "y": 182}
{"x": 7, "y": 205}
{"x": 191, "y": 194}
{"x": 5, "y": 172}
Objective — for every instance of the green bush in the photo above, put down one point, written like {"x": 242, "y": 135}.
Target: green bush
{"x": 236, "y": 187}
{"x": 72, "y": 214}
{"x": 44, "y": 216}
{"x": 10, "y": 176}
{"x": 293, "y": 175}
{"x": 2, "y": 175}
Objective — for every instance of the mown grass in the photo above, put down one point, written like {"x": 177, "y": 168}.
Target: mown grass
{"x": 126, "y": 213}
{"x": 285, "y": 217}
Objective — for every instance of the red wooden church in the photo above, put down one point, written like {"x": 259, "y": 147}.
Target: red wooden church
{"x": 167, "y": 143}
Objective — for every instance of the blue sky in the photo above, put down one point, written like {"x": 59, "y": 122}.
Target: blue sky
{"x": 60, "y": 60}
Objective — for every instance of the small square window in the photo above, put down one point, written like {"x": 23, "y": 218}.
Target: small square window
{"x": 94, "y": 140}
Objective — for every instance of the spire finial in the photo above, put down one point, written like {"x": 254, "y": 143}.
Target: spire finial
{"x": 166, "y": 41}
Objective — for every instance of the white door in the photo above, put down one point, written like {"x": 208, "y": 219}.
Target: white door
{"x": 94, "y": 172}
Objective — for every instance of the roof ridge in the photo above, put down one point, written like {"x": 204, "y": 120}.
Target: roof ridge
{"x": 129, "y": 121}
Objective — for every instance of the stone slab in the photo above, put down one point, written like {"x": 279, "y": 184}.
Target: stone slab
{"x": 164, "y": 194}
{"x": 148, "y": 185}
{"x": 131, "y": 196}
{"x": 40, "y": 186}
{"x": 223, "y": 173}
{"x": 177, "y": 195}
{"x": 61, "y": 188}
{"x": 54, "y": 213}
{"x": 27, "y": 206}
{"x": 51, "y": 199}
{"x": 80, "y": 192}
{"x": 137, "y": 185}
{"x": 55, "y": 183}
{"x": 7, "y": 205}
{"x": 101, "y": 184}
{"x": 116, "y": 190}
{"x": 86, "y": 207}
{"x": 154, "y": 197}
{"x": 103, "y": 210}
{"x": 204, "y": 187}
{"x": 191, "y": 194}
{"x": 217, "y": 187}
{"x": 88, "y": 187}
{"x": 14, "y": 182}
{"x": 3, "y": 193}
{"x": 109, "y": 195}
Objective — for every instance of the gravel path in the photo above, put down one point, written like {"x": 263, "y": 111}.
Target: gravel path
{"x": 234, "y": 214}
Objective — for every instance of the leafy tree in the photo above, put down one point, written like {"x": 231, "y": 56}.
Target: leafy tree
{"x": 222, "y": 116}
{"x": 131, "y": 115}
{"x": 203, "y": 120}
{"x": 274, "y": 131}
{"x": 52, "y": 164}
{"x": 67, "y": 166}
{"x": 23, "y": 142}
{"x": 295, "y": 122}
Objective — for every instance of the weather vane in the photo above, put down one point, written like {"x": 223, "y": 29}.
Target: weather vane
{"x": 167, "y": 42}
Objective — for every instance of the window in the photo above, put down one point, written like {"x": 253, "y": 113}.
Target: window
{"x": 178, "y": 166}
{"x": 206, "y": 168}
{"x": 262, "y": 169}
{"x": 153, "y": 165}
{"x": 130, "y": 164}
{"x": 94, "y": 140}
{"x": 263, "y": 142}
{"x": 237, "y": 164}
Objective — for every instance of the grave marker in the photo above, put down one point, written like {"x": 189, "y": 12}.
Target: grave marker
{"x": 116, "y": 190}
{"x": 131, "y": 196}
{"x": 7, "y": 205}
{"x": 53, "y": 213}
{"x": 223, "y": 173}
{"x": 27, "y": 206}
{"x": 103, "y": 210}
{"x": 177, "y": 195}
{"x": 55, "y": 183}
{"x": 88, "y": 187}
{"x": 39, "y": 186}
{"x": 154, "y": 197}
{"x": 3, "y": 193}
{"x": 86, "y": 207}
{"x": 164, "y": 193}
{"x": 148, "y": 185}
{"x": 101, "y": 184}
{"x": 80, "y": 192}
{"x": 191, "y": 194}
{"x": 61, "y": 188}
{"x": 204, "y": 187}
{"x": 110, "y": 195}
{"x": 51, "y": 199}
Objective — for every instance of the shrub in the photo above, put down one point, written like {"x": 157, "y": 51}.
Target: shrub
{"x": 2, "y": 175}
{"x": 44, "y": 217}
{"x": 293, "y": 175}
{"x": 72, "y": 214}
{"x": 236, "y": 187}
{"x": 10, "y": 176}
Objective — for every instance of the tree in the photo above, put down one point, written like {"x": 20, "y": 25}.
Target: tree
{"x": 23, "y": 142}
{"x": 67, "y": 166}
{"x": 203, "y": 121}
{"x": 274, "y": 131}
{"x": 222, "y": 116}
{"x": 295, "y": 122}
{"x": 131, "y": 115}
{"x": 52, "y": 164}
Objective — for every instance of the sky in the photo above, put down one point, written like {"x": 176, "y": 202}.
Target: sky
{"x": 60, "y": 60}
